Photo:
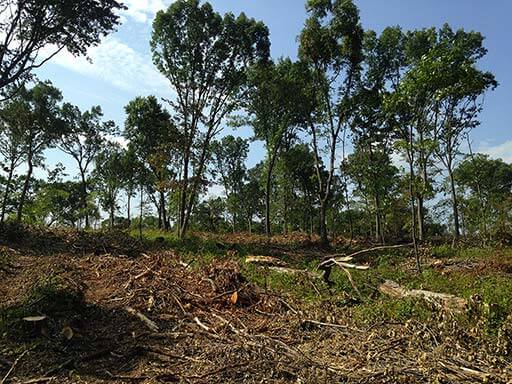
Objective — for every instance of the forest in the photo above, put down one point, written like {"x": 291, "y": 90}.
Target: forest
{"x": 368, "y": 243}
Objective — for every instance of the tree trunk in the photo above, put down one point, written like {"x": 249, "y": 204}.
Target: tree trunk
{"x": 379, "y": 236}
{"x": 112, "y": 214}
{"x": 421, "y": 218}
{"x": 84, "y": 197}
{"x": 268, "y": 191}
{"x": 141, "y": 209}
{"x": 25, "y": 188}
{"x": 128, "y": 208}
{"x": 164, "y": 210}
{"x": 183, "y": 195}
{"x": 456, "y": 224}
{"x": 324, "y": 240}
{"x": 413, "y": 208}
{"x": 7, "y": 192}
{"x": 195, "y": 185}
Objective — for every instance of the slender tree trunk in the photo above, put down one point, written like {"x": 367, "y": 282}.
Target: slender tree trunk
{"x": 112, "y": 214}
{"x": 25, "y": 188}
{"x": 455, "y": 207}
{"x": 324, "y": 240}
{"x": 84, "y": 197}
{"x": 7, "y": 192}
{"x": 379, "y": 236}
{"x": 412, "y": 197}
{"x": 159, "y": 210}
{"x": 128, "y": 208}
{"x": 141, "y": 209}
{"x": 421, "y": 219}
{"x": 163, "y": 210}
{"x": 268, "y": 191}
{"x": 285, "y": 214}
{"x": 195, "y": 185}
{"x": 183, "y": 195}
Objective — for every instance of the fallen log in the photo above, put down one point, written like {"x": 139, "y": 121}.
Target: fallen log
{"x": 445, "y": 300}
{"x": 265, "y": 260}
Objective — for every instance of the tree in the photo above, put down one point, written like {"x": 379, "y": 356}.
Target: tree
{"x": 252, "y": 194}
{"x": 83, "y": 137}
{"x": 205, "y": 57}
{"x": 375, "y": 178}
{"x": 272, "y": 101}
{"x": 229, "y": 155}
{"x": 33, "y": 31}
{"x": 331, "y": 46}
{"x": 108, "y": 168}
{"x": 370, "y": 165}
{"x": 55, "y": 201}
{"x": 13, "y": 118}
{"x": 38, "y": 114}
{"x": 129, "y": 176}
{"x": 459, "y": 95}
{"x": 155, "y": 140}
{"x": 485, "y": 186}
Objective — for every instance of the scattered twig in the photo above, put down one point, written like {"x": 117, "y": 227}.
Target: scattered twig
{"x": 149, "y": 323}
{"x": 4, "y": 380}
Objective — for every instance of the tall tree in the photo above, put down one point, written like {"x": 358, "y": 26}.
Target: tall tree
{"x": 83, "y": 137}
{"x": 107, "y": 171}
{"x": 485, "y": 185}
{"x": 155, "y": 139}
{"x": 14, "y": 116}
{"x": 331, "y": 45}
{"x": 272, "y": 107}
{"x": 39, "y": 115}
{"x": 229, "y": 155}
{"x": 370, "y": 166}
{"x": 33, "y": 31}
{"x": 129, "y": 175}
{"x": 205, "y": 57}
{"x": 452, "y": 68}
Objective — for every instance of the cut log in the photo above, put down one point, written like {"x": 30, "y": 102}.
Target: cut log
{"x": 446, "y": 301}
{"x": 265, "y": 260}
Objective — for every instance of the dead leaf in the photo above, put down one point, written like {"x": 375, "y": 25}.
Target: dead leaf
{"x": 234, "y": 298}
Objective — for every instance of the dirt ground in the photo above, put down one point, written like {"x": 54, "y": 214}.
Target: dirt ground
{"x": 152, "y": 318}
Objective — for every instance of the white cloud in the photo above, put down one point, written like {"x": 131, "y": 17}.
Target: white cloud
{"x": 142, "y": 11}
{"x": 118, "y": 64}
{"x": 501, "y": 151}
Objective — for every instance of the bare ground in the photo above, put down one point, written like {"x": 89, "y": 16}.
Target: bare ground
{"x": 152, "y": 319}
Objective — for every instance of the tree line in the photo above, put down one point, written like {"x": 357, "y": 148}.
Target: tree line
{"x": 365, "y": 134}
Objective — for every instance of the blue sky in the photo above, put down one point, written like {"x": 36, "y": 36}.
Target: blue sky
{"x": 122, "y": 69}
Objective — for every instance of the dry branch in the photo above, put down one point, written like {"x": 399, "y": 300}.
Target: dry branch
{"x": 447, "y": 301}
{"x": 149, "y": 323}
{"x": 265, "y": 260}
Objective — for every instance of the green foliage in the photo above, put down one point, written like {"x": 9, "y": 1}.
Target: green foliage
{"x": 27, "y": 27}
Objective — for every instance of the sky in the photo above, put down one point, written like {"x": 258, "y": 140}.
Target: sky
{"x": 120, "y": 68}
